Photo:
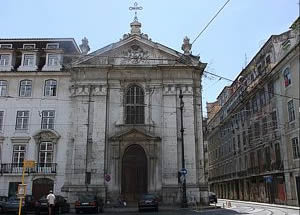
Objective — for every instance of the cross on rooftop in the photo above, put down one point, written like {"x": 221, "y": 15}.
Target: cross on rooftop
{"x": 135, "y": 8}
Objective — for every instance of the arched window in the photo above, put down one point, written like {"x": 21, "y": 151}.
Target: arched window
{"x": 25, "y": 88}
{"x": 134, "y": 105}
{"x": 50, "y": 88}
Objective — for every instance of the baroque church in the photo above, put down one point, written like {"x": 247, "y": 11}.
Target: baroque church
{"x": 106, "y": 122}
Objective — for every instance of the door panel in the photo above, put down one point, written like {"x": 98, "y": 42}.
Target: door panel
{"x": 134, "y": 173}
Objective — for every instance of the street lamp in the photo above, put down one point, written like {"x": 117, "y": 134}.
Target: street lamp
{"x": 184, "y": 201}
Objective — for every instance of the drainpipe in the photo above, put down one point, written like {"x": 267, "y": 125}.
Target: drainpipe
{"x": 88, "y": 174}
{"x": 106, "y": 135}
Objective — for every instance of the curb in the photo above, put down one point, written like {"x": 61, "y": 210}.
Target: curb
{"x": 264, "y": 204}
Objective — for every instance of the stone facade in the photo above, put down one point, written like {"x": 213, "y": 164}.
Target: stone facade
{"x": 94, "y": 133}
{"x": 253, "y": 140}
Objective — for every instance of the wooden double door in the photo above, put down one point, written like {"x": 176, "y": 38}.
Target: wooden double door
{"x": 134, "y": 173}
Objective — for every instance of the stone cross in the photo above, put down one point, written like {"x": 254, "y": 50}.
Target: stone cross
{"x": 135, "y": 7}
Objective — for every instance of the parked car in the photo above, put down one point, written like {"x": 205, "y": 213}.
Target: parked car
{"x": 30, "y": 202}
{"x": 12, "y": 205}
{"x": 89, "y": 203}
{"x": 60, "y": 206}
{"x": 212, "y": 197}
{"x": 3, "y": 200}
{"x": 148, "y": 201}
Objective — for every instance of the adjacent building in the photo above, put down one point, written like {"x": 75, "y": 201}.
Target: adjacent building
{"x": 107, "y": 122}
{"x": 253, "y": 139}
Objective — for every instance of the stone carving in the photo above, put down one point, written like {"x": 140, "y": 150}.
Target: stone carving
{"x": 84, "y": 46}
{"x": 84, "y": 90}
{"x": 135, "y": 55}
{"x": 46, "y": 135}
{"x": 186, "y": 46}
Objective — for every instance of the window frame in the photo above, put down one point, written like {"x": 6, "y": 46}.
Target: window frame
{"x": 27, "y": 88}
{"x": 58, "y": 60}
{"x": 46, "y": 152}
{"x": 19, "y": 151}
{"x": 1, "y": 121}
{"x": 287, "y": 76}
{"x": 52, "y": 91}
{"x": 5, "y": 44}
{"x": 51, "y": 44}
{"x": 295, "y": 147}
{"x": 33, "y": 60}
{"x": 7, "y": 62}
{"x": 48, "y": 119}
{"x": 291, "y": 111}
{"x": 134, "y": 105}
{"x": 29, "y": 44}
{"x": 3, "y": 88}
{"x": 23, "y": 118}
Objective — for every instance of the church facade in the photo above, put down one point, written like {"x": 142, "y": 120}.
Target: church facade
{"x": 118, "y": 121}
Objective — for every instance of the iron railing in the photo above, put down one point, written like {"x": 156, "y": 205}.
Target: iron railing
{"x": 16, "y": 168}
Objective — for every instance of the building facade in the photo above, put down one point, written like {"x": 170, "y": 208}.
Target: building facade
{"x": 106, "y": 123}
{"x": 253, "y": 140}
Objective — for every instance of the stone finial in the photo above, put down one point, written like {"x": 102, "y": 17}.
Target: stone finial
{"x": 135, "y": 27}
{"x": 186, "y": 46}
{"x": 84, "y": 46}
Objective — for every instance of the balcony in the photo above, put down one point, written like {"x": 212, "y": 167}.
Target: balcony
{"x": 17, "y": 168}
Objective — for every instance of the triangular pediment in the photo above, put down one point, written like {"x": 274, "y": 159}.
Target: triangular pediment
{"x": 133, "y": 51}
{"x": 134, "y": 134}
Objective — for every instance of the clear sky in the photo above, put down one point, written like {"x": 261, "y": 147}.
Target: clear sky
{"x": 240, "y": 29}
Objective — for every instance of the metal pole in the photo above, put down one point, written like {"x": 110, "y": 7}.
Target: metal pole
{"x": 184, "y": 201}
{"x": 21, "y": 199}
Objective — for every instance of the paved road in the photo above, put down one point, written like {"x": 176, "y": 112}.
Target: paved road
{"x": 254, "y": 209}
{"x": 236, "y": 209}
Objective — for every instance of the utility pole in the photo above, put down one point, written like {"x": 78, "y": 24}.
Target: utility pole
{"x": 184, "y": 201}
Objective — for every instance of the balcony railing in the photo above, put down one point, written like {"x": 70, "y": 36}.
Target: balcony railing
{"x": 17, "y": 168}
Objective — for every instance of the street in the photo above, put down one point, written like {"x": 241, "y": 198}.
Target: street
{"x": 235, "y": 209}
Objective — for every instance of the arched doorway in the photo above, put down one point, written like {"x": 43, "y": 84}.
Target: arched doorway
{"x": 134, "y": 172}
{"x": 41, "y": 187}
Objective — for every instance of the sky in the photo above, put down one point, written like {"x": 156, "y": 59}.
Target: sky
{"x": 230, "y": 41}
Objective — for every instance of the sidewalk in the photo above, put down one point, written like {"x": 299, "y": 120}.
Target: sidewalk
{"x": 263, "y": 204}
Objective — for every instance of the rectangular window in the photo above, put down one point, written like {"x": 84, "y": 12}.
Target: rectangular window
{"x": 244, "y": 139}
{"x": 52, "y": 46}
{"x": 22, "y": 120}
{"x": 50, "y": 88}
{"x": 256, "y": 129}
{"x": 254, "y": 105}
{"x": 259, "y": 160}
{"x": 291, "y": 111}
{"x": 268, "y": 59}
{"x": 296, "y": 148}
{"x": 4, "y": 59}
{"x": 270, "y": 90}
{"x": 264, "y": 126}
{"x": 3, "y": 88}
{"x": 252, "y": 160}
{"x": 277, "y": 152}
{"x": 48, "y": 119}
{"x": 262, "y": 98}
{"x": 287, "y": 77}
{"x": 18, "y": 154}
{"x": 267, "y": 158}
{"x": 53, "y": 60}
{"x": 29, "y": 46}
{"x": 25, "y": 88}
{"x": 46, "y": 153}
{"x": 1, "y": 120}
{"x": 274, "y": 119}
{"x": 28, "y": 60}
{"x": 5, "y": 46}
